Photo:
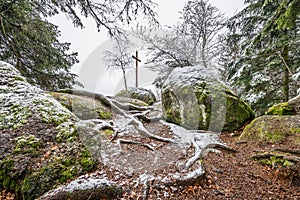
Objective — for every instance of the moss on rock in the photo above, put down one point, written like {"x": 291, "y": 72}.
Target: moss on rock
{"x": 55, "y": 173}
{"x": 197, "y": 102}
{"x": 273, "y": 128}
{"x": 42, "y": 148}
{"x": 27, "y": 144}
{"x": 281, "y": 109}
{"x": 292, "y": 107}
{"x": 7, "y": 180}
{"x": 83, "y": 107}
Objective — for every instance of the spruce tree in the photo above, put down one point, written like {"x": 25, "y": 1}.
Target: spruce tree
{"x": 266, "y": 59}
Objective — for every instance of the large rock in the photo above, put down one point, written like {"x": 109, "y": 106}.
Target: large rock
{"x": 292, "y": 107}
{"x": 83, "y": 107}
{"x": 138, "y": 93}
{"x": 196, "y": 98}
{"x": 39, "y": 144}
{"x": 271, "y": 128}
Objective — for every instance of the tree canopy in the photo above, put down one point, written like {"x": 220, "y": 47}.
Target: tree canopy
{"x": 30, "y": 42}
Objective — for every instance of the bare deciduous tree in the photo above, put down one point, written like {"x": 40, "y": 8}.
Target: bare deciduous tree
{"x": 202, "y": 22}
{"x": 120, "y": 56}
{"x": 192, "y": 41}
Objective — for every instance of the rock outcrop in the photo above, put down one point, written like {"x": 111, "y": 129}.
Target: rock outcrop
{"x": 196, "y": 98}
{"x": 137, "y": 93}
{"x": 280, "y": 122}
{"x": 39, "y": 144}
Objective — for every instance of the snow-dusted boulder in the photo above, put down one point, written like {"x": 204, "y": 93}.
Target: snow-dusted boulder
{"x": 196, "y": 98}
{"x": 39, "y": 145}
{"x": 137, "y": 93}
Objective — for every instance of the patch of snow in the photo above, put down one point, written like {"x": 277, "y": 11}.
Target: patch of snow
{"x": 186, "y": 137}
{"x": 192, "y": 74}
{"x": 253, "y": 98}
{"x": 85, "y": 182}
{"x": 19, "y": 100}
{"x": 259, "y": 78}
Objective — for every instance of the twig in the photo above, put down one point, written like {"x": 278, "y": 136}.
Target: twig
{"x": 114, "y": 136}
{"x": 284, "y": 62}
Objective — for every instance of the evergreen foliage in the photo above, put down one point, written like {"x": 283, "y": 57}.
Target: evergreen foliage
{"x": 263, "y": 61}
{"x": 30, "y": 42}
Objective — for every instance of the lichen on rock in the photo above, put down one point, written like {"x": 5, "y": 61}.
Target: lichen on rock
{"x": 197, "y": 99}
{"x": 40, "y": 144}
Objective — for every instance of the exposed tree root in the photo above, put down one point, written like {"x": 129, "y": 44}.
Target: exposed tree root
{"x": 192, "y": 176}
{"x": 268, "y": 155}
{"x": 134, "y": 115}
{"x": 287, "y": 150}
{"x": 120, "y": 141}
{"x": 146, "y": 189}
{"x": 143, "y": 116}
{"x": 129, "y": 106}
{"x": 117, "y": 107}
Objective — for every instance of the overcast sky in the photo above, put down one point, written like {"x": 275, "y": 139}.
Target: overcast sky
{"x": 89, "y": 43}
{"x": 86, "y": 40}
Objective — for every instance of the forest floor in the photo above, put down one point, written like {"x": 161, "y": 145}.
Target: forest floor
{"x": 228, "y": 175}
{"x": 238, "y": 175}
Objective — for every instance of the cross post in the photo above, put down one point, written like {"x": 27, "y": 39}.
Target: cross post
{"x": 137, "y": 60}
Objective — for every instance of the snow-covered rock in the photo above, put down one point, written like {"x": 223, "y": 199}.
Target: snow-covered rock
{"x": 196, "y": 98}
{"x": 39, "y": 145}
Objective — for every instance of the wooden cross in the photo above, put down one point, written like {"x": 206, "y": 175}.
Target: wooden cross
{"x": 137, "y": 60}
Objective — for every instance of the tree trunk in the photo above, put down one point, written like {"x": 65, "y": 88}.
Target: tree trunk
{"x": 286, "y": 81}
{"x": 124, "y": 77}
{"x": 203, "y": 55}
